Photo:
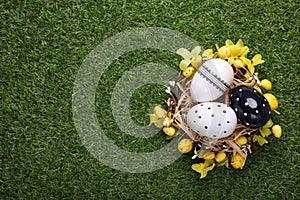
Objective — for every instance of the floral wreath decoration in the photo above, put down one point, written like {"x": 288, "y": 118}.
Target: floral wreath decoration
{"x": 218, "y": 107}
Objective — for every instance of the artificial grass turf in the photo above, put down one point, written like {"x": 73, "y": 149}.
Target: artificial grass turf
{"x": 42, "y": 47}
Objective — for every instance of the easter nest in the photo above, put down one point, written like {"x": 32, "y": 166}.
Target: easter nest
{"x": 230, "y": 151}
{"x": 179, "y": 107}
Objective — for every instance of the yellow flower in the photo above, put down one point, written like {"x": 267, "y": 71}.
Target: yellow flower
{"x": 269, "y": 124}
{"x": 256, "y": 86}
{"x": 192, "y": 57}
{"x": 203, "y": 168}
{"x": 265, "y": 130}
{"x": 238, "y": 49}
{"x": 261, "y": 140}
{"x": 158, "y": 117}
{"x": 168, "y": 119}
{"x": 208, "y": 54}
{"x": 224, "y": 52}
{"x": 256, "y": 60}
{"x": 238, "y": 53}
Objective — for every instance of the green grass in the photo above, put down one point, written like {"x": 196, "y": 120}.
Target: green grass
{"x": 42, "y": 47}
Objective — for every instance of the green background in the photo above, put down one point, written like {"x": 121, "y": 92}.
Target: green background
{"x": 42, "y": 47}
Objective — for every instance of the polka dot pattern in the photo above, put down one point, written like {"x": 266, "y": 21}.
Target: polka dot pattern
{"x": 250, "y": 107}
{"x": 212, "y": 119}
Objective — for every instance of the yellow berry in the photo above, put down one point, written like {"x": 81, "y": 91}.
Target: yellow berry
{"x": 272, "y": 100}
{"x": 241, "y": 140}
{"x": 220, "y": 157}
{"x": 265, "y": 83}
{"x": 209, "y": 156}
{"x": 277, "y": 131}
{"x": 169, "y": 130}
{"x": 237, "y": 161}
{"x": 188, "y": 72}
{"x": 224, "y": 52}
{"x": 185, "y": 145}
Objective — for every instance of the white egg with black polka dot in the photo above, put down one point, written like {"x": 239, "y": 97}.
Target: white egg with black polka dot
{"x": 212, "y": 119}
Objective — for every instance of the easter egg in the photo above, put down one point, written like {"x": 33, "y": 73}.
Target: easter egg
{"x": 212, "y": 119}
{"x": 251, "y": 107}
{"x": 211, "y": 80}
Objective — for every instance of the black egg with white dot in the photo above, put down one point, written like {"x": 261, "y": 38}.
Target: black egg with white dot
{"x": 251, "y": 107}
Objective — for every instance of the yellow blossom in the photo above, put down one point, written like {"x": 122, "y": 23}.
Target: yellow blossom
{"x": 203, "y": 168}
{"x": 256, "y": 60}
{"x": 265, "y": 130}
{"x": 208, "y": 54}
{"x": 261, "y": 140}
{"x": 158, "y": 117}
{"x": 192, "y": 57}
{"x": 238, "y": 49}
{"x": 269, "y": 124}
{"x": 238, "y": 53}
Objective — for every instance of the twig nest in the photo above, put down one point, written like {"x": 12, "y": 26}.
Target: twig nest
{"x": 221, "y": 134}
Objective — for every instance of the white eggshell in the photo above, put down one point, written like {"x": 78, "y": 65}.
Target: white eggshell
{"x": 211, "y": 80}
{"x": 212, "y": 119}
